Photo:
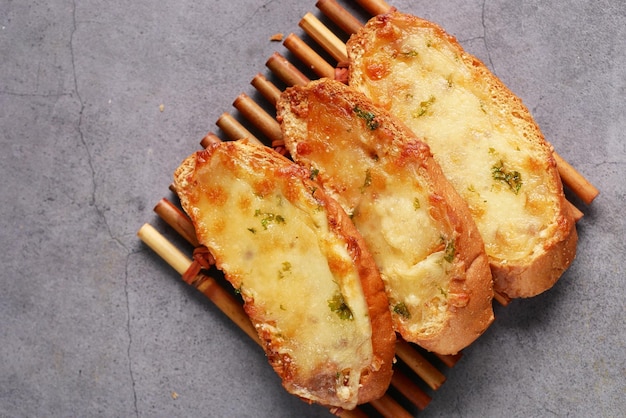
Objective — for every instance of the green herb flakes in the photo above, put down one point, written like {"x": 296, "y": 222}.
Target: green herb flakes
{"x": 424, "y": 107}
{"x": 268, "y": 218}
{"x": 449, "y": 251}
{"x": 402, "y": 310}
{"x": 512, "y": 178}
{"x": 285, "y": 270}
{"x": 368, "y": 180}
{"x": 369, "y": 117}
{"x": 339, "y": 306}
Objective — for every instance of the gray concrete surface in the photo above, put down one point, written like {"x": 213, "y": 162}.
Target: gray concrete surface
{"x": 93, "y": 323}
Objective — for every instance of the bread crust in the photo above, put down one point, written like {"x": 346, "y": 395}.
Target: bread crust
{"x": 469, "y": 310}
{"x": 514, "y": 278}
{"x": 280, "y": 173}
{"x": 374, "y": 383}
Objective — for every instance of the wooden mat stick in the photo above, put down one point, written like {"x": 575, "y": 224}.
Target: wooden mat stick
{"x": 576, "y": 213}
{"x": 324, "y": 37}
{"x": 340, "y": 16}
{"x": 172, "y": 255}
{"x": 266, "y": 88}
{"x": 205, "y": 284}
{"x": 286, "y": 71}
{"x": 266, "y": 123}
{"x": 175, "y": 218}
{"x": 308, "y": 56}
{"x": 576, "y": 182}
{"x": 209, "y": 139}
{"x": 389, "y": 408}
{"x": 429, "y": 374}
{"x": 233, "y": 129}
{"x": 274, "y": 94}
{"x": 374, "y": 7}
{"x": 449, "y": 360}
{"x": 410, "y": 390}
{"x": 355, "y": 413}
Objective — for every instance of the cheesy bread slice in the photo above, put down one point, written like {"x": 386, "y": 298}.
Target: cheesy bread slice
{"x": 310, "y": 286}
{"x": 483, "y": 137}
{"x": 420, "y": 232}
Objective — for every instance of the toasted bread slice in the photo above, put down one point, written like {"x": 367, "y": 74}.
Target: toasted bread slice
{"x": 310, "y": 286}
{"x": 417, "y": 227}
{"x": 483, "y": 137}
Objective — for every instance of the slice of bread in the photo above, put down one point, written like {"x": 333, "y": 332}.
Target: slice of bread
{"x": 310, "y": 286}
{"x": 419, "y": 230}
{"x": 483, "y": 137}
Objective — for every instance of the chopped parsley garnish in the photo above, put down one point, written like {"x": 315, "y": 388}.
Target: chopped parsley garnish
{"x": 416, "y": 204}
{"x": 449, "y": 251}
{"x": 369, "y": 117}
{"x": 402, "y": 310}
{"x": 339, "y": 306}
{"x": 286, "y": 269}
{"x": 368, "y": 180}
{"x": 314, "y": 173}
{"x": 512, "y": 178}
{"x": 268, "y": 218}
{"x": 424, "y": 107}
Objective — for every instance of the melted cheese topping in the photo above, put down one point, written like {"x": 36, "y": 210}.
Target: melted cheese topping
{"x": 423, "y": 81}
{"x": 407, "y": 246}
{"x": 274, "y": 242}
{"x": 390, "y": 206}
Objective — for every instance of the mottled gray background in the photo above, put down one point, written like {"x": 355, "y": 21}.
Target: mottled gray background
{"x": 92, "y": 323}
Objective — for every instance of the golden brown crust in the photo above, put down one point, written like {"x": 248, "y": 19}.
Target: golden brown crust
{"x": 470, "y": 293}
{"x": 531, "y": 279}
{"x": 375, "y": 381}
{"x": 513, "y": 277}
{"x": 471, "y": 296}
{"x": 271, "y": 172}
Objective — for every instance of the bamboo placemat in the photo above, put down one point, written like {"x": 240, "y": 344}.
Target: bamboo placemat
{"x": 417, "y": 374}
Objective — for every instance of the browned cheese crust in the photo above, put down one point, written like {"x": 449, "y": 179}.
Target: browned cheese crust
{"x": 421, "y": 74}
{"x": 410, "y": 216}
{"x": 289, "y": 249}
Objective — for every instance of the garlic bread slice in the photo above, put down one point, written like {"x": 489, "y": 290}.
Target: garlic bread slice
{"x": 310, "y": 286}
{"x": 420, "y": 232}
{"x": 483, "y": 137}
